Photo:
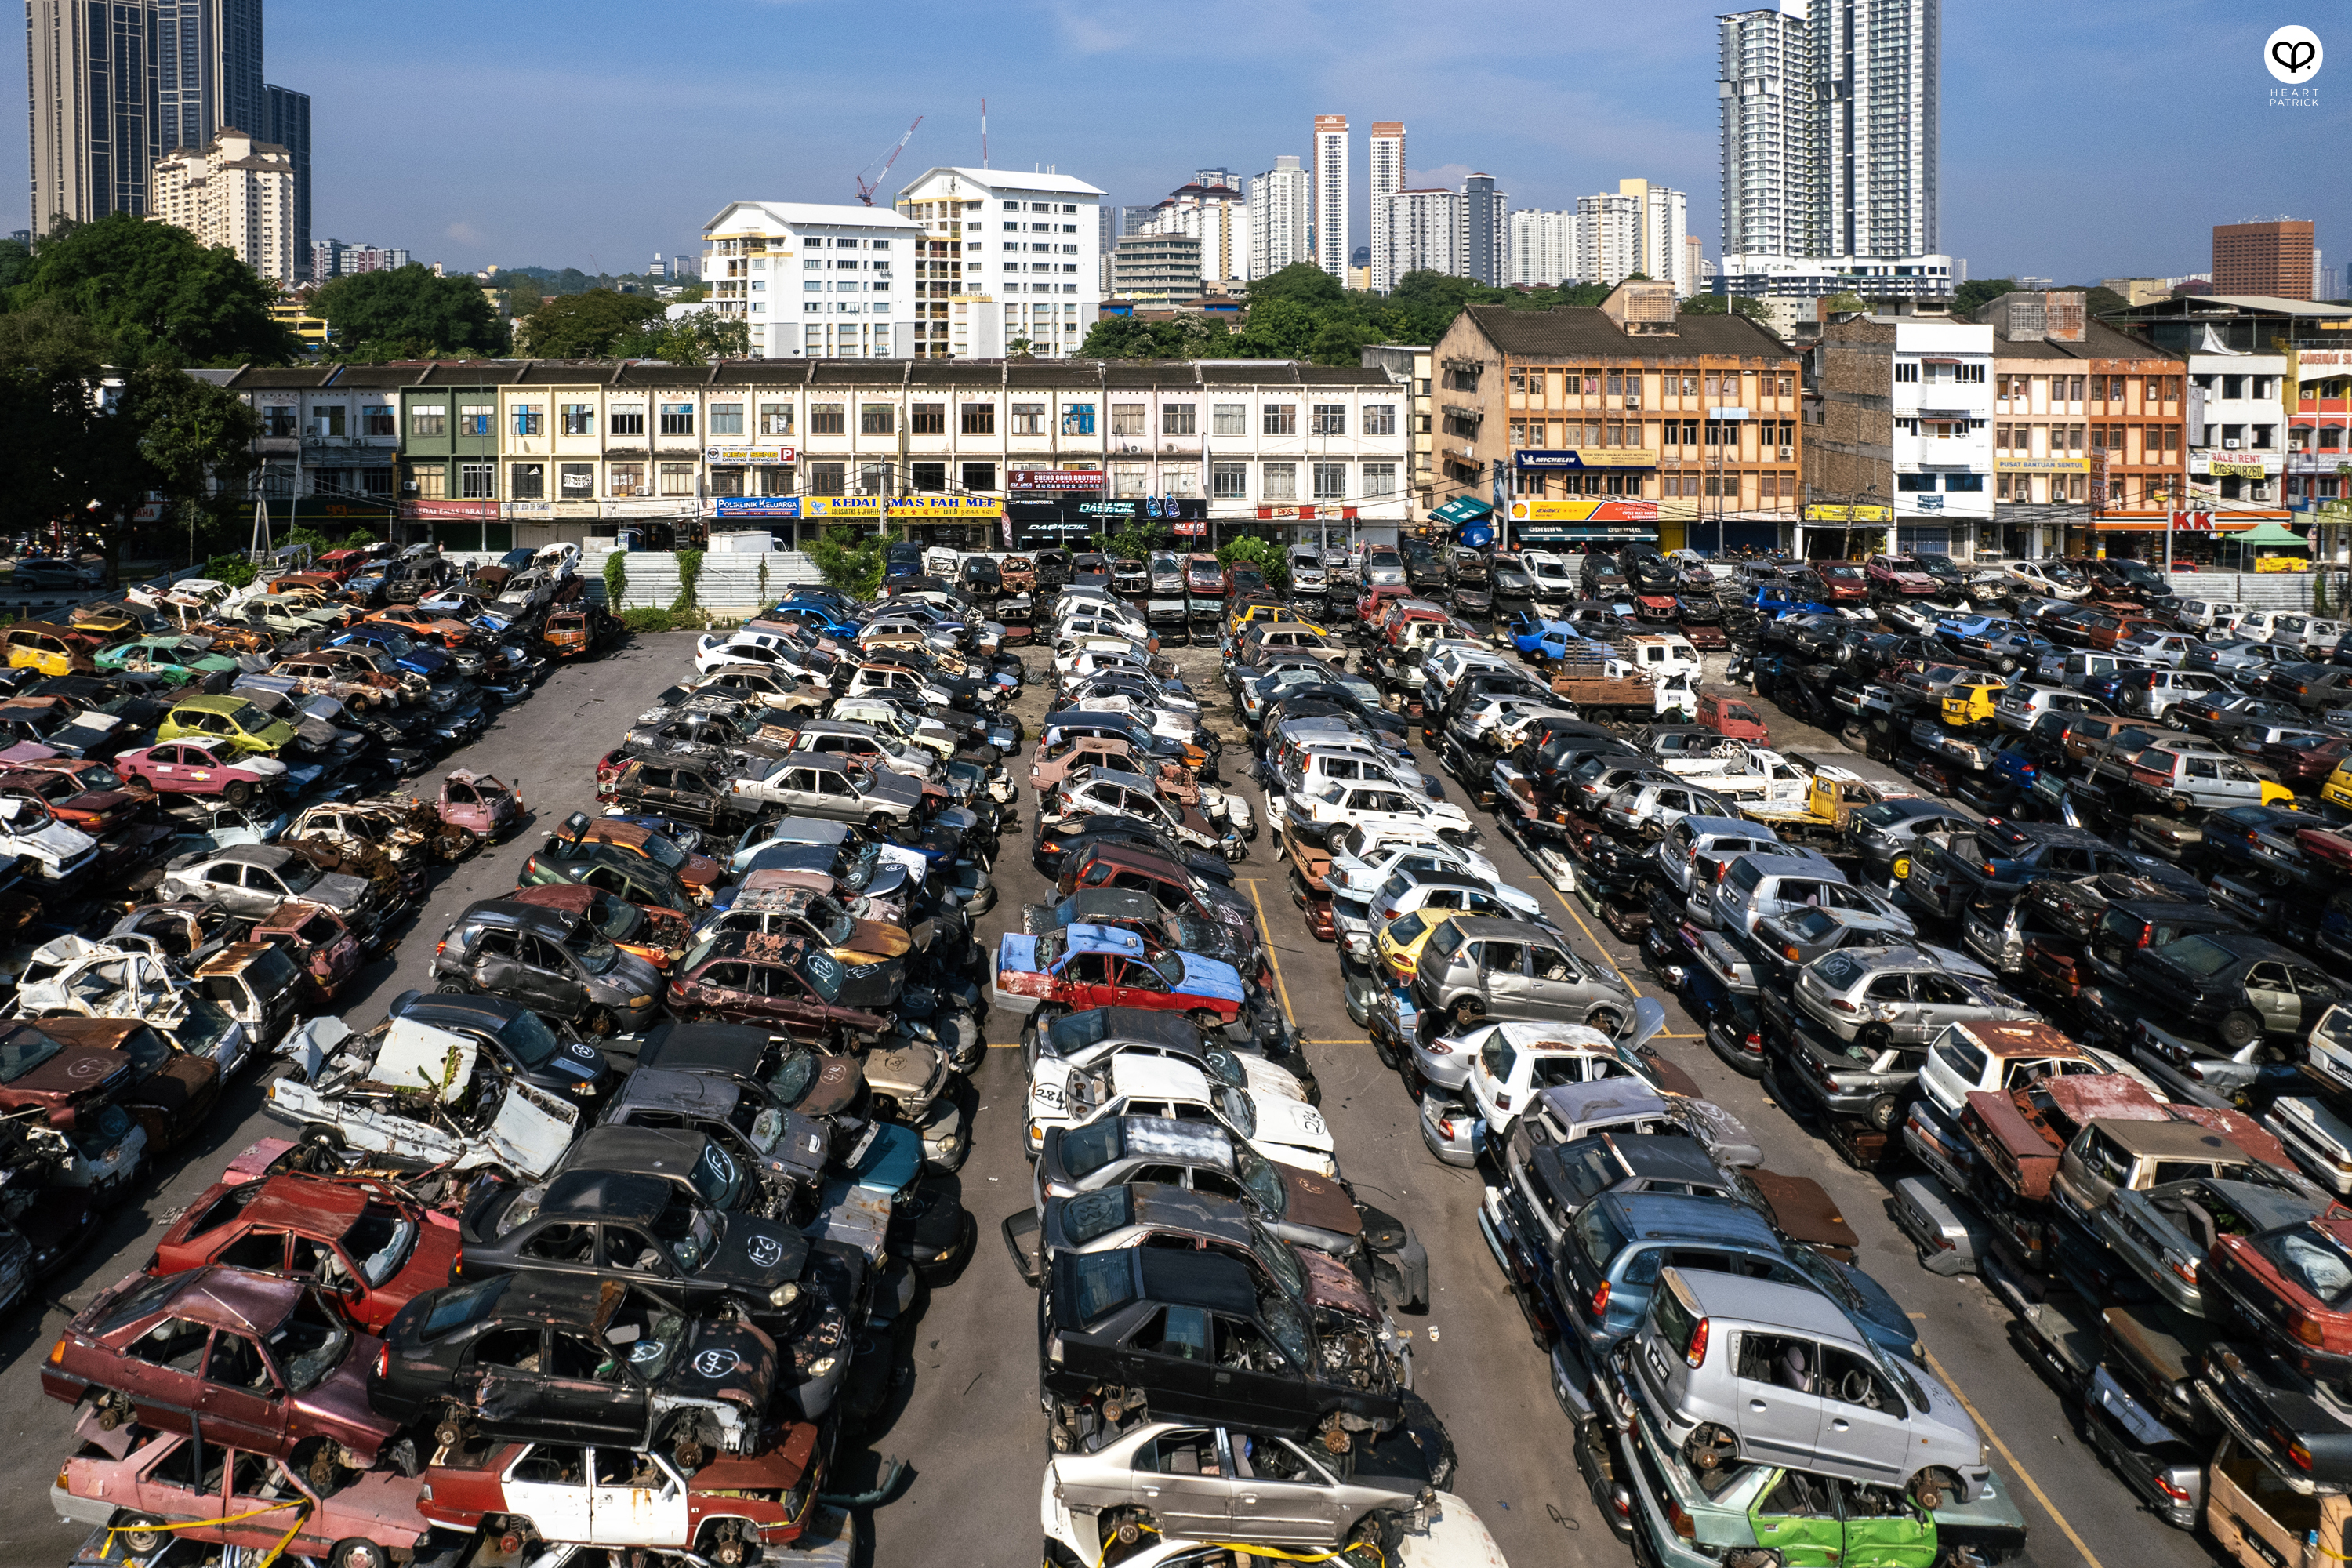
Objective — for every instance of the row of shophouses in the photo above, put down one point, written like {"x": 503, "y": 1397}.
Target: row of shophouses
{"x": 2029, "y": 429}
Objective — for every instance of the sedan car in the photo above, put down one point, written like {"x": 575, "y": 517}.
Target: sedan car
{"x": 526, "y": 1357}
{"x": 255, "y": 878}
{"x": 1112, "y": 966}
{"x": 263, "y": 1362}
{"x": 559, "y": 964}
{"x": 2168, "y": 1236}
{"x": 189, "y": 767}
{"x": 1877, "y": 997}
{"x": 373, "y": 1247}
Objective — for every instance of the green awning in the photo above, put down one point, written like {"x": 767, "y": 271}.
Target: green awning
{"x": 1462, "y": 509}
{"x": 2273, "y": 534}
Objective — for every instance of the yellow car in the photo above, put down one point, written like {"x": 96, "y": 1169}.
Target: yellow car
{"x": 230, "y": 723}
{"x": 1265, "y": 614}
{"x": 2339, "y": 788}
{"x": 1969, "y": 699}
{"x": 1401, "y": 941}
{"x": 49, "y": 650}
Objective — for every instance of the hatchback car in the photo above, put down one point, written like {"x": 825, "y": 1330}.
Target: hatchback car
{"x": 1897, "y": 995}
{"x": 1472, "y": 968}
{"x": 562, "y": 966}
{"x": 374, "y": 1248}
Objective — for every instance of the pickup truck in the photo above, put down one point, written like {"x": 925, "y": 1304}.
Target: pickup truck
{"x": 2183, "y": 781}
{"x": 1750, "y": 776}
{"x": 1595, "y": 687}
{"x": 1831, "y": 797}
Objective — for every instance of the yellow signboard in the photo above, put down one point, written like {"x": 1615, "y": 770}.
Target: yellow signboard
{"x": 1849, "y": 514}
{"x": 2244, "y": 464}
{"x": 2281, "y": 563}
{"x": 912, "y": 509}
{"x": 2042, "y": 465}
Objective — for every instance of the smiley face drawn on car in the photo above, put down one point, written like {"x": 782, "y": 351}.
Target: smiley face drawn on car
{"x": 765, "y": 1251}
{"x": 716, "y": 1364}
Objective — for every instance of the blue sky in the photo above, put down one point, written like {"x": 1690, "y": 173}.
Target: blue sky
{"x": 2086, "y": 139}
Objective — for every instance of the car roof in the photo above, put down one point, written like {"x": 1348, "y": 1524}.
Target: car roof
{"x": 2174, "y": 1139}
{"x": 1163, "y": 1138}
{"x": 2007, "y": 1037}
{"x": 1156, "y": 1077}
{"x": 1764, "y": 1301}
{"x": 675, "y": 1089}
{"x": 1473, "y": 927}
{"x": 1702, "y": 827}
{"x": 1664, "y": 1156}
{"x": 1792, "y": 862}
{"x": 490, "y": 1012}
{"x": 609, "y": 1195}
{"x": 1675, "y": 1216}
{"x": 1082, "y": 937}
{"x": 512, "y": 911}
{"x": 1605, "y": 1099}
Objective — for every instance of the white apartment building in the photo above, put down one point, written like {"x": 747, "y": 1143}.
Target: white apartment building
{"x": 1209, "y": 207}
{"x": 1665, "y": 230}
{"x": 2237, "y": 453}
{"x": 1281, "y": 205}
{"x": 1544, "y": 247}
{"x": 1607, "y": 239}
{"x": 1943, "y": 439}
{"x": 236, "y": 192}
{"x": 1030, "y": 272}
{"x": 1332, "y": 215}
{"x": 1764, "y": 87}
{"x": 1424, "y": 234}
{"x": 814, "y": 280}
{"x": 1384, "y": 164}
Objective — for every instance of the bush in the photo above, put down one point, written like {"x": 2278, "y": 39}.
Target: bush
{"x": 1268, "y": 558}
{"x": 648, "y": 620}
{"x": 616, "y": 579}
{"x": 847, "y": 563}
{"x": 237, "y": 570}
{"x": 690, "y": 572}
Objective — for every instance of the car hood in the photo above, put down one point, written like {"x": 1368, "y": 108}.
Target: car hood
{"x": 1318, "y": 1202}
{"x": 1207, "y": 977}
{"x": 733, "y": 1362}
{"x": 755, "y": 1256}
{"x": 54, "y": 842}
{"x": 899, "y": 789}
{"x": 1291, "y": 1121}
{"x": 1330, "y": 1286}
{"x": 342, "y": 893}
{"x": 904, "y": 1071}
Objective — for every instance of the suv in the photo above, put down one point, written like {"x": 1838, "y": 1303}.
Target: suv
{"x": 1732, "y": 1367}
{"x": 559, "y": 966}
{"x": 1474, "y": 968}
{"x": 1873, "y": 998}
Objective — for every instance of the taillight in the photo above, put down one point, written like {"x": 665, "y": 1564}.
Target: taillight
{"x": 1502, "y": 1103}
{"x": 1445, "y": 1128}
{"x": 2307, "y": 1330}
{"x": 2144, "y": 931}
{"x": 383, "y": 1360}
{"x": 1599, "y": 1304}
{"x": 1697, "y": 1352}
{"x": 2300, "y": 1455}
{"x": 2176, "y": 1493}
{"x": 1681, "y": 1521}
{"x": 1843, "y": 1005}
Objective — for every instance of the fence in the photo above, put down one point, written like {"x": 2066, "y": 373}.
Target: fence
{"x": 2266, "y": 589}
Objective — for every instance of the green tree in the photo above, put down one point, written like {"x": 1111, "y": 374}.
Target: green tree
{"x": 848, "y": 562}
{"x": 1713, "y": 305}
{"x": 409, "y": 313}
{"x": 196, "y": 440}
{"x": 524, "y": 295}
{"x": 697, "y": 338}
{"x": 1978, "y": 292}
{"x": 587, "y": 325}
{"x": 16, "y": 261}
{"x": 1018, "y": 346}
{"x": 51, "y": 361}
{"x": 154, "y": 291}
{"x": 1267, "y": 557}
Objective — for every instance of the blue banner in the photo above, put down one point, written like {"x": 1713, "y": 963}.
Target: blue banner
{"x": 758, "y": 506}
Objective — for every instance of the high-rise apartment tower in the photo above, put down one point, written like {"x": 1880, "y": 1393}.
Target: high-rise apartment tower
{"x": 1330, "y": 218}
{"x": 1385, "y": 165}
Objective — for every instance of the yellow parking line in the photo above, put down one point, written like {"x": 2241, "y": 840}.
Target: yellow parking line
{"x": 2022, "y": 1473}
{"x": 1598, "y": 945}
{"x": 1280, "y": 984}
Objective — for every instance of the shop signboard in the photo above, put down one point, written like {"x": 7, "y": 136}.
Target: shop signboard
{"x": 1306, "y": 513}
{"x": 2244, "y": 464}
{"x": 1576, "y": 459}
{"x": 1056, "y": 480}
{"x": 2281, "y": 563}
{"x": 762, "y": 457}
{"x": 2040, "y": 465}
{"x": 1833, "y": 513}
{"x": 1585, "y": 509}
{"x": 447, "y": 511}
{"x": 758, "y": 506}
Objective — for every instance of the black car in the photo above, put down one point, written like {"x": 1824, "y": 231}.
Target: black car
{"x": 1197, "y": 1337}
{"x": 786, "y": 1150}
{"x": 521, "y": 1358}
{"x": 624, "y": 873}
{"x": 829, "y": 1088}
{"x": 558, "y": 966}
{"x": 981, "y": 579}
{"x": 2275, "y": 1410}
{"x": 1051, "y": 848}
{"x": 1946, "y": 882}
{"x": 519, "y": 1038}
{"x": 2236, "y": 986}
{"x": 601, "y": 1228}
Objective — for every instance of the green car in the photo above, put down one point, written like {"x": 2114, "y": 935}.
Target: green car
{"x": 621, "y": 872}
{"x": 1698, "y": 1519}
{"x": 177, "y": 659}
{"x": 230, "y": 721}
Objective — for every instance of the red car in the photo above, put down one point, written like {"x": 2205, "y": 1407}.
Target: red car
{"x": 318, "y": 940}
{"x": 2302, "y": 760}
{"x": 723, "y": 1512}
{"x": 183, "y": 767}
{"x": 1844, "y": 582}
{"x": 1731, "y": 717}
{"x": 1898, "y": 575}
{"x": 480, "y": 803}
{"x": 63, "y": 1080}
{"x": 1203, "y": 576}
{"x": 360, "y": 1238}
{"x": 268, "y": 1365}
{"x": 97, "y": 811}
{"x": 2293, "y": 1286}
{"x": 225, "y": 1497}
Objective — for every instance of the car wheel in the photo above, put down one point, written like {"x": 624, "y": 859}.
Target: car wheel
{"x": 450, "y": 988}
{"x": 1608, "y": 1020}
{"x": 357, "y": 1552}
{"x": 142, "y": 1533}
{"x": 1709, "y": 1448}
{"x": 322, "y": 1137}
{"x": 1932, "y": 1487}
{"x": 598, "y": 1022}
{"x": 237, "y": 792}
{"x": 1882, "y": 1113}
{"x": 316, "y": 1463}
{"x": 2238, "y": 1029}
{"x": 1467, "y": 1011}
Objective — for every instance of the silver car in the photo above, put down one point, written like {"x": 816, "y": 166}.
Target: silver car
{"x": 255, "y": 879}
{"x": 1731, "y": 1367}
{"x": 1472, "y": 968}
{"x": 2164, "y": 1232}
{"x": 1881, "y": 996}
{"x": 1779, "y": 884}
{"x": 1213, "y": 1483}
{"x": 1725, "y": 834}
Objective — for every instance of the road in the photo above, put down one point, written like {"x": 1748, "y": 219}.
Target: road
{"x": 965, "y": 1417}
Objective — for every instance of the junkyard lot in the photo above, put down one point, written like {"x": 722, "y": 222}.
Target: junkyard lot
{"x": 966, "y": 1416}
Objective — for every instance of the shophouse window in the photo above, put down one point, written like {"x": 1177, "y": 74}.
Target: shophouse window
{"x": 677, "y": 418}
{"x": 978, "y": 419}
{"x": 529, "y": 418}
{"x": 1281, "y": 419}
{"x": 1229, "y": 419}
{"x": 627, "y": 419}
{"x": 526, "y": 481}
{"x": 429, "y": 421}
{"x": 1379, "y": 418}
{"x": 927, "y": 419}
{"x": 776, "y": 419}
{"x": 828, "y": 419}
{"x": 1229, "y": 482}
{"x": 727, "y": 419}
{"x": 580, "y": 419}
{"x": 1176, "y": 419}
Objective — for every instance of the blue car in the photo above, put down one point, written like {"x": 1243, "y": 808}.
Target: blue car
{"x": 823, "y": 618}
{"x": 1531, "y": 634}
{"x": 1778, "y": 599}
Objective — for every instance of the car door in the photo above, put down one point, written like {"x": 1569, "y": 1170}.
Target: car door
{"x": 2269, "y": 992}
{"x": 2314, "y": 993}
{"x": 1280, "y": 1493}
{"x": 1501, "y": 976}
{"x": 1182, "y": 1477}
{"x": 174, "y": 1351}
{"x": 242, "y": 1403}
{"x": 548, "y": 1484}
{"x": 1557, "y": 985}
{"x": 1779, "y": 1408}
{"x": 552, "y": 982}
{"x": 497, "y": 967}
{"x": 1798, "y": 1518}
{"x": 1865, "y": 1430}
{"x": 584, "y": 1390}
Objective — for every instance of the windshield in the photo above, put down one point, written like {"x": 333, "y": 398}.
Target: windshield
{"x": 794, "y": 1076}
{"x": 1262, "y": 1182}
{"x": 595, "y": 954}
{"x": 207, "y": 1024}
{"x": 1814, "y": 925}
{"x": 308, "y": 1344}
{"x": 663, "y": 853}
{"x": 22, "y": 1050}
{"x": 615, "y": 917}
{"x": 1086, "y": 1150}
{"x": 1225, "y": 1069}
{"x": 297, "y": 875}
{"x": 1280, "y": 1261}
{"x": 1405, "y": 930}
{"x": 2200, "y": 956}
{"x": 716, "y": 1177}
{"x": 690, "y": 1232}
{"x": 1235, "y": 1106}
{"x": 2313, "y": 1262}
{"x": 861, "y": 866}
{"x": 248, "y": 718}
{"x": 529, "y": 1040}
{"x": 379, "y": 1241}
{"x": 1287, "y": 1328}
{"x": 651, "y": 1332}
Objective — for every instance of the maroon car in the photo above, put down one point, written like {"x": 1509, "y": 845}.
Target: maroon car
{"x": 264, "y": 1362}
{"x": 2301, "y": 760}
{"x": 96, "y": 811}
{"x": 2289, "y": 1285}
{"x": 374, "y": 1247}
{"x": 788, "y": 984}
{"x": 64, "y": 1077}
{"x": 1898, "y": 575}
{"x": 1844, "y": 582}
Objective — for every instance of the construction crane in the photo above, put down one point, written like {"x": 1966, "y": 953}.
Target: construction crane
{"x": 866, "y": 187}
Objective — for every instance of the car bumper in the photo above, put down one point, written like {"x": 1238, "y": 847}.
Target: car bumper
{"x": 1452, "y": 1133}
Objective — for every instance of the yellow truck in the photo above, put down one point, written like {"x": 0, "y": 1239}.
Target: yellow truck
{"x": 1829, "y": 803}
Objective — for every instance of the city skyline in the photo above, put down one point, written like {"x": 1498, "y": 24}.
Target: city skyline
{"x": 1617, "y": 91}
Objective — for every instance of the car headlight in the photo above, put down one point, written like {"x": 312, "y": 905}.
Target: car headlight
{"x": 784, "y": 1295}
{"x": 949, "y": 1144}
{"x": 822, "y": 1366}
{"x": 585, "y": 1089}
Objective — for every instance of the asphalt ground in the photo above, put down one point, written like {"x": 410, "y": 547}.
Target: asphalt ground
{"x": 964, "y": 1417}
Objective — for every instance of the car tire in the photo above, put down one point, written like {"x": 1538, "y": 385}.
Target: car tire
{"x": 450, "y": 988}
{"x": 237, "y": 792}
{"x": 1467, "y": 1011}
{"x": 142, "y": 1534}
{"x": 357, "y": 1551}
{"x": 321, "y": 1137}
{"x": 1608, "y": 1020}
{"x": 1883, "y": 1113}
{"x": 2238, "y": 1029}
{"x": 879, "y": 823}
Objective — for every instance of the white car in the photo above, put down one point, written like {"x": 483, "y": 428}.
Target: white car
{"x": 2260, "y": 626}
{"x": 2215, "y": 618}
{"x": 1069, "y": 652}
{"x": 1553, "y": 580}
{"x": 739, "y": 647}
{"x": 1166, "y": 721}
{"x": 1320, "y": 808}
{"x": 1307, "y": 574}
{"x": 1510, "y": 1069}
{"x": 477, "y": 1117}
{"x": 1288, "y": 1132}
{"x": 42, "y": 847}
{"x": 1362, "y": 858}
{"x": 1053, "y": 1081}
